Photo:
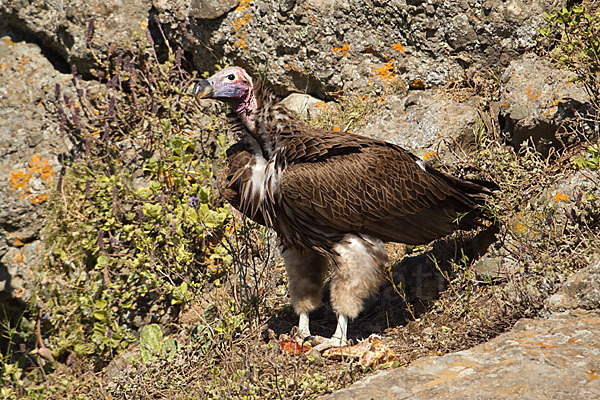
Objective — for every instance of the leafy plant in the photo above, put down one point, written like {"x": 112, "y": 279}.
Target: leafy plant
{"x": 152, "y": 344}
{"x": 135, "y": 227}
{"x": 590, "y": 160}
{"x": 573, "y": 37}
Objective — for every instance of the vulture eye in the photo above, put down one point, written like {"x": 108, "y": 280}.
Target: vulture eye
{"x": 231, "y": 77}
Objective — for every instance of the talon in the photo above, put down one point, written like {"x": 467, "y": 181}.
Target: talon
{"x": 327, "y": 343}
{"x": 309, "y": 339}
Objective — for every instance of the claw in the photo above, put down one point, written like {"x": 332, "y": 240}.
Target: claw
{"x": 310, "y": 339}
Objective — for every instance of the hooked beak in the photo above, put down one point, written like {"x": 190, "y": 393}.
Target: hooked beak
{"x": 203, "y": 89}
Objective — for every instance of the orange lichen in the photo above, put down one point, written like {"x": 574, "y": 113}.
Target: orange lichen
{"x": 41, "y": 166}
{"x": 429, "y": 154}
{"x": 19, "y": 258}
{"x": 241, "y": 22}
{"x": 560, "y": 197}
{"x": 19, "y": 241}
{"x": 241, "y": 43}
{"x": 336, "y": 128}
{"x": 386, "y": 72}
{"x": 531, "y": 94}
{"x": 418, "y": 84}
{"x": 292, "y": 67}
{"x": 520, "y": 227}
{"x": 398, "y": 47}
{"x": 39, "y": 198}
{"x": 544, "y": 345}
{"x": 19, "y": 180}
{"x": 243, "y": 4}
{"x": 343, "y": 49}
{"x": 8, "y": 42}
{"x": 3, "y": 66}
{"x": 322, "y": 106}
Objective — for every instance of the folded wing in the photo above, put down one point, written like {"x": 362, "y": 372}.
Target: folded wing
{"x": 352, "y": 183}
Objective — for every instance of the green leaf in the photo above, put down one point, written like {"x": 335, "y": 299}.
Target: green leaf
{"x": 150, "y": 342}
{"x": 101, "y": 262}
{"x": 152, "y": 210}
{"x": 170, "y": 349}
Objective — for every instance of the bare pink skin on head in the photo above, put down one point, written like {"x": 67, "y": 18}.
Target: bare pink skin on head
{"x": 234, "y": 86}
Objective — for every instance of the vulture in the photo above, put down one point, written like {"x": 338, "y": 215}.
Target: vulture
{"x": 333, "y": 198}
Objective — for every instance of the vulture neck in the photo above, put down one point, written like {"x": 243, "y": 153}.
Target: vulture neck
{"x": 255, "y": 112}
{"x": 246, "y": 110}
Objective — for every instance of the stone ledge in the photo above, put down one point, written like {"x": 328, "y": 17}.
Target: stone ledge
{"x": 554, "y": 358}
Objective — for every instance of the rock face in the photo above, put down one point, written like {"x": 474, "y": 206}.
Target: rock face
{"x": 551, "y": 358}
{"x": 64, "y": 27}
{"x": 539, "y": 359}
{"x": 534, "y": 105}
{"x": 430, "y": 41}
{"x": 316, "y": 46}
{"x": 426, "y": 123}
{"x": 211, "y": 9}
{"x": 30, "y": 144}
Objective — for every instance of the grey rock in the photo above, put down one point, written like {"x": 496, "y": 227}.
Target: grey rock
{"x": 30, "y": 144}
{"x": 461, "y": 34}
{"x": 535, "y": 99}
{"x": 439, "y": 40}
{"x": 63, "y": 27}
{"x": 304, "y": 105}
{"x": 581, "y": 290}
{"x": 502, "y": 259}
{"x": 552, "y": 358}
{"x": 286, "y": 5}
{"x": 425, "y": 122}
{"x": 211, "y": 9}
{"x": 120, "y": 363}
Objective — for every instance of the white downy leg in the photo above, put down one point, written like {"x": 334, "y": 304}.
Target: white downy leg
{"x": 341, "y": 331}
{"x": 303, "y": 326}
{"x": 307, "y": 272}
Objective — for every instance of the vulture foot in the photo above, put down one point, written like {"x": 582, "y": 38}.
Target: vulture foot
{"x": 320, "y": 344}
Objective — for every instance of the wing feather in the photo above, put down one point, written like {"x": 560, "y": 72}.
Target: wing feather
{"x": 351, "y": 183}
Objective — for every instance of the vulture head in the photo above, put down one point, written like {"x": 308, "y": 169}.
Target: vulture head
{"x": 231, "y": 85}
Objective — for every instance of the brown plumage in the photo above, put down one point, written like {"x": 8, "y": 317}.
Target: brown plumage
{"x": 333, "y": 198}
